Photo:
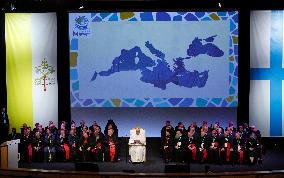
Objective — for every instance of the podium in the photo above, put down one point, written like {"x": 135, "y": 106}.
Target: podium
{"x": 9, "y": 154}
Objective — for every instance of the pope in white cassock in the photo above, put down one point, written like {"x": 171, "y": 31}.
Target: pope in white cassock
{"x": 137, "y": 145}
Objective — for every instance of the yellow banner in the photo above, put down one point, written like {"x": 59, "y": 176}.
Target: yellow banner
{"x": 19, "y": 69}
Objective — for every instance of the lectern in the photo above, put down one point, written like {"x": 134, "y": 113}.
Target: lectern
{"x": 9, "y": 154}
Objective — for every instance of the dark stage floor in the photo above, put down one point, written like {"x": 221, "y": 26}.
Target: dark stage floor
{"x": 273, "y": 160}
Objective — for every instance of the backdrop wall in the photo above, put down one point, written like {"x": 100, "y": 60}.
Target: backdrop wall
{"x": 153, "y": 119}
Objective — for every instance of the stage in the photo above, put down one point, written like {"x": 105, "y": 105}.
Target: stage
{"x": 273, "y": 160}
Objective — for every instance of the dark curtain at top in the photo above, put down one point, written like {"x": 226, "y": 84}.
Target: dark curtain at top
{"x": 63, "y": 68}
{"x": 244, "y": 63}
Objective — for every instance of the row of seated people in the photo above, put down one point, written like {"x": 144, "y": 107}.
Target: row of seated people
{"x": 211, "y": 144}
{"x": 199, "y": 144}
{"x": 78, "y": 143}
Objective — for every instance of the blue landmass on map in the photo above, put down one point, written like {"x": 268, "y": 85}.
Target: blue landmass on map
{"x": 197, "y": 47}
{"x": 159, "y": 72}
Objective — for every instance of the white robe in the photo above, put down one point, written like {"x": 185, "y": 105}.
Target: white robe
{"x": 137, "y": 152}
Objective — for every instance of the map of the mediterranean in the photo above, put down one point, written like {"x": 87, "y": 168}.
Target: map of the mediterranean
{"x": 158, "y": 72}
{"x": 154, "y": 59}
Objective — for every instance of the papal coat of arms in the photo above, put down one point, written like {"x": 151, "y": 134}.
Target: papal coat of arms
{"x": 46, "y": 74}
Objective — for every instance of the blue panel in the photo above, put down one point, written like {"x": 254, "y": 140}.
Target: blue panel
{"x": 232, "y": 91}
{"x": 75, "y": 86}
{"x": 232, "y": 25}
{"x": 107, "y": 104}
{"x": 87, "y": 102}
{"x": 190, "y": 17}
{"x": 129, "y": 100}
{"x": 175, "y": 101}
{"x": 146, "y": 16}
{"x": 114, "y": 17}
{"x": 74, "y": 44}
{"x": 93, "y": 14}
{"x": 236, "y": 18}
{"x": 99, "y": 101}
{"x": 73, "y": 74}
{"x": 132, "y": 19}
{"x": 186, "y": 102}
{"x": 149, "y": 105}
{"x": 104, "y": 15}
{"x": 177, "y": 18}
{"x": 163, "y": 16}
{"x": 222, "y": 13}
{"x": 217, "y": 101}
{"x": 199, "y": 14}
{"x": 201, "y": 102}
{"x": 276, "y": 47}
{"x": 165, "y": 104}
{"x": 139, "y": 103}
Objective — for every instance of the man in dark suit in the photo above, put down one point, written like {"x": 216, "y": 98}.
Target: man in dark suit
{"x": 14, "y": 135}
{"x": 4, "y": 125}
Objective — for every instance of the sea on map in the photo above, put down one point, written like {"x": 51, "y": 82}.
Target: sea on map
{"x": 158, "y": 72}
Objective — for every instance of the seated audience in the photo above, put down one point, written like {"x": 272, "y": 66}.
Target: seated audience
{"x": 137, "y": 145}
{"x": 180, "y": 146}
{"x": 168, "y": 145}
{"x": 195, "y": 144}
{"x": 37, "y": 146}
{"x": 73, "y": 142}
{"x": 85, "y": 147}
{"x": 111, "y": 146}
{"x": 97, "y": 144}
{"x": 50, "y": 143}
{"x": 62, "y": 151}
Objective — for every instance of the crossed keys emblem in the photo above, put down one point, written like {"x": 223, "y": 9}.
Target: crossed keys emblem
{"x": 45, "y": 71}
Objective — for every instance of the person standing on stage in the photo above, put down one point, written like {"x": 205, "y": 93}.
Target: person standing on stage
{"x": 202, "y": 146}
{"x": 225, "y": 148}
{"x": 181, "y": 127}
{"x": 14, "y": 135}
{"x": 85, "y": 147}
{"x": 4, "y": 125}
{"x": 81, "y": 128}
{"x": 111, "y": 146}
{"x": 111, "y": 125}
{"x": 169, "y": 128}
{"x": 191, "y": 144}
{"x": 214, "y": 147}
{"x": 50, "y": 142}
{"x": 97, "y": 144}
{"x": 180, "y": 145}
{"x": 168, "y": 144}
{"x": 38, "y": 148}
{"x": 26, "y": 145}
{"x": 92, "y": 127}
{"x": 251, "y": 147}
{"x": 73, "y": 144}
{"x": 63, "y": 151}
{"x": 238, "y": 145}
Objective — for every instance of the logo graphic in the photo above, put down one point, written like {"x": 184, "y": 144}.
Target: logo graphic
{"x": 81, "y": 23}
{"x": 81, "y": 27}
{"x": 45, "y": 73}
